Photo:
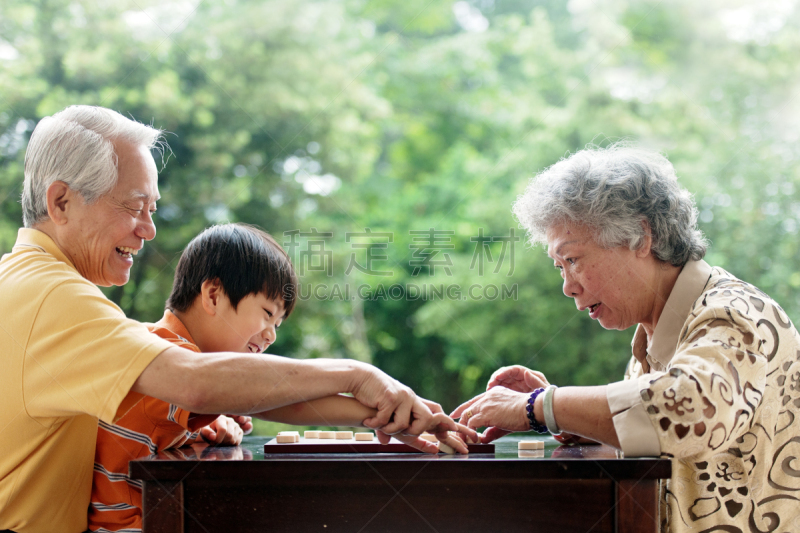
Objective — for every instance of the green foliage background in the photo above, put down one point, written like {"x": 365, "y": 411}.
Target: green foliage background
{"x": 419, "y": 114}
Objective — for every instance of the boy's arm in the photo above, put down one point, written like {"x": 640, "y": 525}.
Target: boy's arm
{"x": 337, "y": 410}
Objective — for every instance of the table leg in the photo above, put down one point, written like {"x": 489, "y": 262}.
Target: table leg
{"x": 162, "y": 507}
{"x": 637, "y": 506}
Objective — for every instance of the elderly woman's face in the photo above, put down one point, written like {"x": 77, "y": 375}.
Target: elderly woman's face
{"x": 616, "y": 285}
{"x": 104, "y": 236}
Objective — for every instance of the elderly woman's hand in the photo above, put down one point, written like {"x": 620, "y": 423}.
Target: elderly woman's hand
{"x": 517, "y": 378}
{"x": 499, "y": 407}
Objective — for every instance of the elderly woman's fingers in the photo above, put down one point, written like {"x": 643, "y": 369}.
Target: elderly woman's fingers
{"x": 534, "y": 380}
{"x": 517, "y": 378}
{"x": 497, "y": 376}
{"x": 442, "y": 424}
{"x": 461, "y": 408}
{"x": 476, "y": 421}
{"x": 511, "y": 377}
{"x": 467, "y": 434}
{"x": 492, "y": 434}
{"x": 500, "y": 407}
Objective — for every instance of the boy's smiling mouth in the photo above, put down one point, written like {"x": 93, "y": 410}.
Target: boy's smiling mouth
{"x": 254, "y": 348}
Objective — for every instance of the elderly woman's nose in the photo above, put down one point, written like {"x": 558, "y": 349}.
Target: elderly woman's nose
{"x": 571, "y": 288}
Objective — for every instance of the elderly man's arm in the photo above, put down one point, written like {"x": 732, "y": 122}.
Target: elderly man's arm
{"x": 244, "y": 384}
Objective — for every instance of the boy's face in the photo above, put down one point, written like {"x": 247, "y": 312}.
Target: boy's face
{"x": 251, "y": 327}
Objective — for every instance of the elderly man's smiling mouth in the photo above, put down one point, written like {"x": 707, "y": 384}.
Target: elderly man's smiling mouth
{"x": 127, "y": 252}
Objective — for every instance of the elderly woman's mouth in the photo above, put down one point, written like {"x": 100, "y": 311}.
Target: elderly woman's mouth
{"x": 594, "y": 310}
{"x": 127, "y": 252}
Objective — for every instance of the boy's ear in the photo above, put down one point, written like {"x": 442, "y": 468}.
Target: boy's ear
{"x": 210, "y": 294}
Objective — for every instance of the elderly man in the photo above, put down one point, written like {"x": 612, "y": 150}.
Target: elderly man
{"x": 71, "y": 357}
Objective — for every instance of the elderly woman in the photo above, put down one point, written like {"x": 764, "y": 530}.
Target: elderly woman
{"x": 70, "y": 356}
{"x": 714, "y": 381}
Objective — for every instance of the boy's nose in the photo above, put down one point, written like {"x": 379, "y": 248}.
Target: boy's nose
{"x": 268, "y": 334}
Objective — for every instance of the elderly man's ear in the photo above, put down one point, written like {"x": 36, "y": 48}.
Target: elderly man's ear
{"x": 59, "y": 200}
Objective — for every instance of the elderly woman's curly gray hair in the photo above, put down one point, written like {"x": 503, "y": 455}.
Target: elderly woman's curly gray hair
{"x": 613, "y": 190}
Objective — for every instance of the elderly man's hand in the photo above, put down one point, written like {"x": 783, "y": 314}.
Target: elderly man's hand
{"x": 399, "y": 409}
{"x": 499, "y": 407}
{"x": 517, "y": 378}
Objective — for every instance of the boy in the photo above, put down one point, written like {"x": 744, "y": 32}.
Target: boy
{"x": 234, "y": 286}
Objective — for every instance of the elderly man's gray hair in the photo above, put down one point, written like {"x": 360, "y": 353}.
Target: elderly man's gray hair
{"x": 75, "y": 146}
{"x": 613, "y": 190}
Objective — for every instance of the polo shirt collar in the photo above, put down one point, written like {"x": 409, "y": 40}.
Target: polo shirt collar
{"x": 33, "y": 238}
{"x": 688, "y": 287}
{"x": 175, "y": 325}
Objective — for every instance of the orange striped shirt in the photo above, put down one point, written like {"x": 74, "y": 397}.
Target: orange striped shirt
{"x": 150, "y": 426}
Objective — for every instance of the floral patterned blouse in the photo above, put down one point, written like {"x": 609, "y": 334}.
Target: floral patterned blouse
{"x": 717, "y": 390}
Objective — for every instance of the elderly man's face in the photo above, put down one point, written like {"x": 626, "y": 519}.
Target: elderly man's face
{"x": 104, "y": 236}
{"x": 616, "y": 285}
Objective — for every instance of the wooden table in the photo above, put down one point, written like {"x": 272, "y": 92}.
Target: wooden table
{"x": 570, "y": 489}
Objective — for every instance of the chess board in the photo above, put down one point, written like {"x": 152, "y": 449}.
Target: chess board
{"x": 352, "y": 446}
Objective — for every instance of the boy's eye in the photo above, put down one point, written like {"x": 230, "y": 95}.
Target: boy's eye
{"x": 269, "y": 313}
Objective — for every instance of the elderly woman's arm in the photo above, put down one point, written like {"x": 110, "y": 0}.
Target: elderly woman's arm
{"x": 701, "y": 404}
{"x": 581, "y": 411}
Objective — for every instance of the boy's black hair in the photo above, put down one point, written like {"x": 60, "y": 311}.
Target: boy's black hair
{"x": 244, "y": 258}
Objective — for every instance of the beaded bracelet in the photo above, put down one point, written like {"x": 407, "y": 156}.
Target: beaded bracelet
{"x": 535, "y": 426}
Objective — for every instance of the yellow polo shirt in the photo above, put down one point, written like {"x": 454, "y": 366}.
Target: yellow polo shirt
{"x": 69, "y": 357}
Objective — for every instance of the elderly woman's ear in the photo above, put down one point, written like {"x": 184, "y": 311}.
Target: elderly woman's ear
{"x": 646, "y": 246}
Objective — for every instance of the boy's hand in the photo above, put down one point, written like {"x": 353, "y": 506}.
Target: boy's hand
{"x": 245, "y": 422}
{"x": 223, "y": 431}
